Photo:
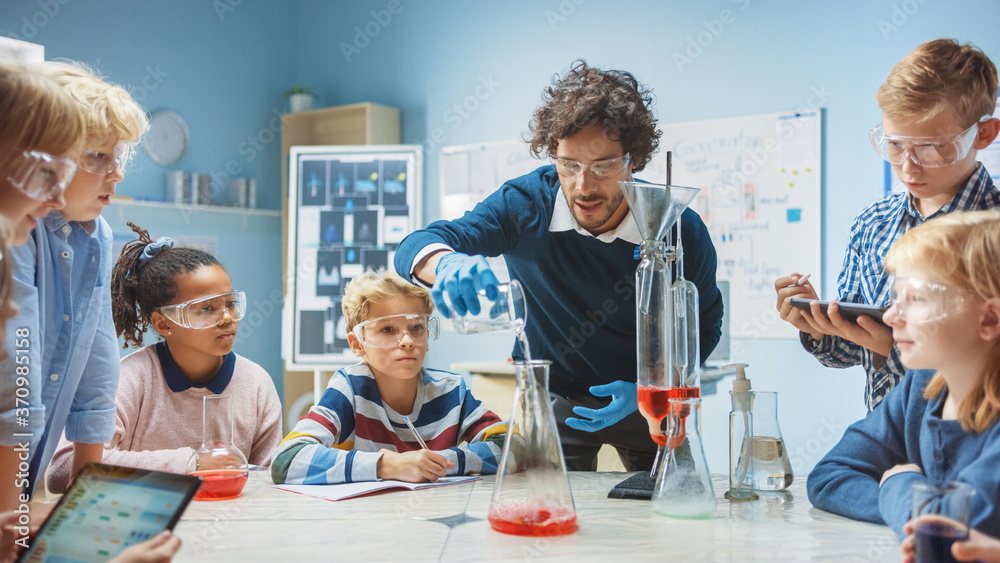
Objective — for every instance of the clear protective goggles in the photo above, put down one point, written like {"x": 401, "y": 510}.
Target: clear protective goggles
{"x": 208, "y": 311}
{"x": 102, "y": 163}
{"x": 40, "y": 175}
{"x": 918, "y": 301}
{"x": 609, "y": 169}
{"x": 929, "y": 152}
{"x": 387, "y": 332}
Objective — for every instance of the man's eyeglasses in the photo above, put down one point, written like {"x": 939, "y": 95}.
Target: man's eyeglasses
{"x": 40, "y": 175}
{"x": 102, "y": 163}
{"x": 930, "y": 152}
{"x": 609, "y": 169}
{"x": 387, "y": 332}
{"x": 919, "y": 301}
{"x": 208, "y": 311}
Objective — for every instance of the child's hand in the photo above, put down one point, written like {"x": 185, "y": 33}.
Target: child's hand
{"x": 867, "y": 332}
{"x": 979, "y": 546}
{"x": 787, "y": 288}
{"x": 417, "y": 466}
{"x": 38, "y": 511}
{"x": 159, "y": 549}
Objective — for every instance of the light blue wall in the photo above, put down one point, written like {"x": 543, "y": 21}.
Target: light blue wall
{"x": 457, "y": 79}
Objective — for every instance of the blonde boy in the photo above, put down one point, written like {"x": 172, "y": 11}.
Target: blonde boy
{"x": 357, "y": 431}
{"x": 61, "y": 281}
{"x": 937, "y": 106}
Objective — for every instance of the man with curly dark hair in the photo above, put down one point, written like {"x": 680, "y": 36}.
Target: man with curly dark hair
{"x": 566, "y": 233}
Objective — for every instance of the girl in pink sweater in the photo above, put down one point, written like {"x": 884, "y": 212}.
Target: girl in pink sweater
{"x": 187, "y": 298}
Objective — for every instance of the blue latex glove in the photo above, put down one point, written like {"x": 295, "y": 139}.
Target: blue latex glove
{"x": 462, "y": 276}
{"x": 624, "y": 402}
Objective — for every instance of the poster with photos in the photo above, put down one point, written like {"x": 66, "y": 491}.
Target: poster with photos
{"x": 349, "y": 207}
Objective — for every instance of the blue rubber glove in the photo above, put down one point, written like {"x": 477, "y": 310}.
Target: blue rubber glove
{"x": 624, "y": 402}
{"x": 462, "y": 276}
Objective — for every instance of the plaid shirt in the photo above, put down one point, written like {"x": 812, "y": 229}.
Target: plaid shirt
{"x": 863, "y": 279}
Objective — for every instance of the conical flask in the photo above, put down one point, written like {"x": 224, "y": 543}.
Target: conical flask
{"x": 771, "y": 469}
{"x": 220, "y": 465}
{"x": 531, "y": 496}
{"x": 684, "y": 486}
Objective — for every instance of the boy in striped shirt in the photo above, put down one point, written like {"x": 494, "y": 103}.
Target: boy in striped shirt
{"x": 357, "y": 431}
{"x": 937, "y": 111}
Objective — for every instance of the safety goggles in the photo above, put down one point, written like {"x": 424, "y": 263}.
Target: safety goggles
{"x": 102, "y": 163}
{"x": 930, "y": 152}
{"x": 206, "y": 312}
{"x": 40, "y": 175}
{"x": 919, "y": 301}
{"x": 387, "y": 332}
{"x": 609, "y": 169}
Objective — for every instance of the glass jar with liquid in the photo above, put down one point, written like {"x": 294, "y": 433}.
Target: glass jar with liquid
{"x": 771, "y": 469}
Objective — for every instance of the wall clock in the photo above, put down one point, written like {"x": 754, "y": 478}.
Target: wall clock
{"x": 167, "y": 138}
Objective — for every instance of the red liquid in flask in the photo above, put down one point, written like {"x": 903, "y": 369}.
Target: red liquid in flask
{"x": 523, "y": 520}
{"x": 654, "y": 403}
{"x": 220, "y": 484}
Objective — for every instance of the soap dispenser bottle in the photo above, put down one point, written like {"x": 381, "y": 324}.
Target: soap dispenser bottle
{"x": 740, "y": 439}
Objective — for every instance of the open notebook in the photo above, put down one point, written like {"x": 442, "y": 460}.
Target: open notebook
{"x": 351, "y": 490}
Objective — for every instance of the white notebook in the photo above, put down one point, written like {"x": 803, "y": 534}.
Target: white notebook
{"x": 351, "y": 490}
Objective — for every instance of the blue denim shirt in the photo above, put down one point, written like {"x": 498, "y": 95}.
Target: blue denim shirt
{"x": 62, "y": 279}
{"x": 906, "y": 428}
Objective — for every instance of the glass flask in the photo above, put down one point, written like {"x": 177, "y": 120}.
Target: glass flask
{"x": 531, "y": 496}
{"x": 771, "y": 469}
{"x": 220, "y": 465}
{"x": 684, "y": 486}
{"x": 506, "y": 312}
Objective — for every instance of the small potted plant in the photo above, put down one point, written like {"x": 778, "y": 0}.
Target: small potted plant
{"x": 300, "y": 98}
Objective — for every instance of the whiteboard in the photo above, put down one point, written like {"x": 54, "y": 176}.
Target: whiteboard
{"x": 349, "y": 207}
{"x": 760, "y": 180}
{"x": 471, "y": 172}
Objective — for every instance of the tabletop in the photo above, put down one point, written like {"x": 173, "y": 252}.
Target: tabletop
{"x": 449, "y": 524}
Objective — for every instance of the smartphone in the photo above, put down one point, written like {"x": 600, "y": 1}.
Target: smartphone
{"x": 850, "y": 311}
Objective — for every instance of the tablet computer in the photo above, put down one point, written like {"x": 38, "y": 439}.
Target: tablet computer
{"x": 850, "y": 311}
{"x": 108, "y": 509}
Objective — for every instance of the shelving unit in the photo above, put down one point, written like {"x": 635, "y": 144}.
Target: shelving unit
{"x": 356, "y": 124}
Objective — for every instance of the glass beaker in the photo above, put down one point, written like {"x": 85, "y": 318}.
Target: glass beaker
{"x": 220, "y": 465}
{"x": 507, "y": 312}
{"x": 531, "y": 496}
{"x": 684, "y": 486}
{"x": 771, "y": 469}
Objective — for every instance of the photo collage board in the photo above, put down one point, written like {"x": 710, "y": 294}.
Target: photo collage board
{"x": 349, "y": 208}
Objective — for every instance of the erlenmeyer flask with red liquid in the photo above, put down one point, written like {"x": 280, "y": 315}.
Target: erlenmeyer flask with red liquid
{"x": 221, "y": 466}
{"x": 531, "y": 496}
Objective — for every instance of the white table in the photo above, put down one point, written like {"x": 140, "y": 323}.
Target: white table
{"x": 449, "y": 524}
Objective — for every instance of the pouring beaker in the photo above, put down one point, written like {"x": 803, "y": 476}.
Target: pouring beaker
{"x": 531, "y": 496}
{"x": 507, "y": 312}
{"x": 220, "y": 465}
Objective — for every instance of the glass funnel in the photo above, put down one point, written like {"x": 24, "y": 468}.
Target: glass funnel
{"x": 531, "y": 496}
{"x": 772, "y": 471}
{"x": 220, "y": 465}
{"x": 655, "y": 208}
{"x": 684, "y": 486}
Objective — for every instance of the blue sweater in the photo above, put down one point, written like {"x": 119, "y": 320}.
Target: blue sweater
{"x": 906, "y": 428}
{"x": 580, "y": 290}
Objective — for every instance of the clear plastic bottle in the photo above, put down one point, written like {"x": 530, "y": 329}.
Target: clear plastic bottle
{"x": 531, "y": 496}
{"x": 684, "y": 486}
{"x": 222, "y": 467}
{"x": 741, "y": 433}
{"x": 771, "y": 469}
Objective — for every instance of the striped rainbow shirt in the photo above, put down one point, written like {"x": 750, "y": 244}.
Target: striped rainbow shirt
{"x": 339, "y": 440}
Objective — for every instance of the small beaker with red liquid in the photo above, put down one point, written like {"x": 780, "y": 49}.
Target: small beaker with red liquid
{"x": 531, "y": 496}
{"x": 221, "y": 466}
